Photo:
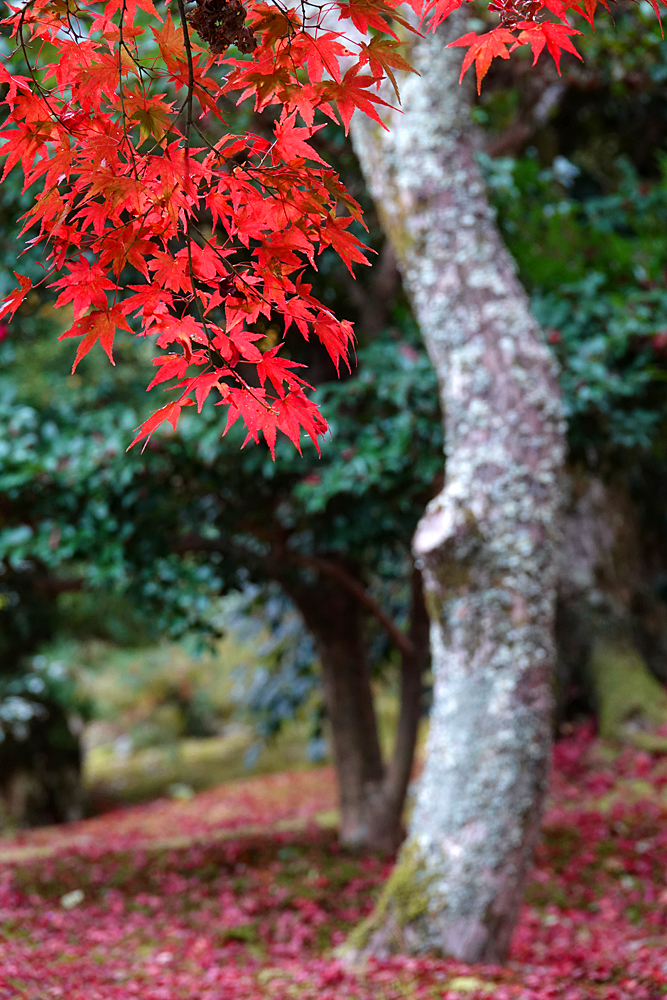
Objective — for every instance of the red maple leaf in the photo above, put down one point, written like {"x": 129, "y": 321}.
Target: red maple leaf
{"x": 383, "y": 57}
{"x": 278, "y": 370}
{"x": 171, "y": 366}
{"x": 170, "y": 271}
{"x": 482, "y": 49}
{"x": 437, "y": 9}
{"x": 352, "y": 93}
{"x": 170, "y": 412}
{"x": 554, "y": 36}
{"x": 9, "y": 305}
{"x": 346, "y": 245}
{"x": 85, "y": 285}
{"x": 336, "y": 336}
{"x": 291, "y": 142}
{"x": 202, "y": 385}
{"x": 297, "y": 411}
{"x": 99, "y": 325}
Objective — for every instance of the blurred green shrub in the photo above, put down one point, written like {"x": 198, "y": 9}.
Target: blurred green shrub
{"x": 596, "y": 270}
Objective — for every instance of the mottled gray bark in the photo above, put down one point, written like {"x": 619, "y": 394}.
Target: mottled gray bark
{"x": 486, "y": 544}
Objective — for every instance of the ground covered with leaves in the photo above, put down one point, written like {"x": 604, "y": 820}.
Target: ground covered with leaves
{"x": 243, "y": 892}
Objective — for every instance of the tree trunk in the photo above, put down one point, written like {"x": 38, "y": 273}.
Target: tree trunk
{"x": 371, "y": 797}
{"x": 610, "y": 625}
{"x": 40, "y": 770}
{"x": 486, "y": 544}
{"x": 631, "y": 703}
{"x": 40, "y": 754}
{"x": 336, "y": 621}
{"x": 413, "y": 667}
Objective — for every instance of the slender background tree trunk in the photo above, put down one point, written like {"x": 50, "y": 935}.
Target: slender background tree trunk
{"x": 487, "y": 543}
{"x": 611, "y": 627}
{"x": 371, "y": 795}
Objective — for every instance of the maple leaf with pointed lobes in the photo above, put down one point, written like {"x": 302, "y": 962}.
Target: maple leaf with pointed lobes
{"x": 99, "y": 325}
{"x": 244, "y": 341}
{"x": 135, "y": 252}
{"x": 85, "y": 285}
{"x": 291, "y": 414}
{"x": 183, "y": 330}
{"x": 554, "y": 36}
{"x": 170, "y": 366}
{"x": 9, "y": 305}
{"x": 336, "y": 336}
{"x": 151, "y": 114}
{"x": 322, "y": 55}
{"x": 304, "y": 100}
{"x": 352, "y": 93}
{"x": 297, "y": 411}
{"x": 439, "y": 9}
{"x": 346, "y": 245}
{"x": 366, "y": 14}
{"x": 170, "y": 412}
{"x": 382, "y": 57}
{"x": 255, "y": 412}
{"x": 278, "y": 371}
{"x": 171, "y": 44}
{"x": 291, "y": 142}
{"x": 149, "y": 302}
{"x": 202, "y": 385}
{"x": 101, "y": 77}
{"x": 482, "y": 49}
{"x": 170, "y": 272}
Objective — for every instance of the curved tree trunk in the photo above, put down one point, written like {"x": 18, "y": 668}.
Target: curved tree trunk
{"x": 486, "y": 544}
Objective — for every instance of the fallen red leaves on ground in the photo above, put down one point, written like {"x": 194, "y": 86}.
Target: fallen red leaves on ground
{"x": 115, "y": 910}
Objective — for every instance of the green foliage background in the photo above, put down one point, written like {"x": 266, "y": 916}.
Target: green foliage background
{"x": 92, "y": 538}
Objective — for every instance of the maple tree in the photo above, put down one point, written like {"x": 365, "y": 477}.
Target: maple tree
{"x": 153, "y": 224}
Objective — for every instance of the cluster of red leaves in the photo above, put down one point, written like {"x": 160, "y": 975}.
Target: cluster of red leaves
{"x": 537, "y": 23}
{"x": 215, "y": 233}
{"x": 256, "y": 916}
{"x": 152, "y": 223}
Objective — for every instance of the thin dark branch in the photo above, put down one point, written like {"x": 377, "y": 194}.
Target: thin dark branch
{"x": 336, "y": 572}
{"x": 195, "y": 543}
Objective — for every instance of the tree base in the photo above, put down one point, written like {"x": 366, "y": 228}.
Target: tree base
{"x": 393, "y": 926}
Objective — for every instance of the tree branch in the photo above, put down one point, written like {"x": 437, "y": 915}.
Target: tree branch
{"x": 194, "y": 543}
{"x": 331, "y": 569}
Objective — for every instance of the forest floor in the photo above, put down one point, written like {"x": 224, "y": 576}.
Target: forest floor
{"x": 242, "y": 892}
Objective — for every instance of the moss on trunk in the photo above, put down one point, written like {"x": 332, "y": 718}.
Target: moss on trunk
{"x": 632, "y": 704}
{"x": 403, "y": 903}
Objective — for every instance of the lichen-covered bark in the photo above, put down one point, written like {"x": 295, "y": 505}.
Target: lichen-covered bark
{"x": 486, "y": 544}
